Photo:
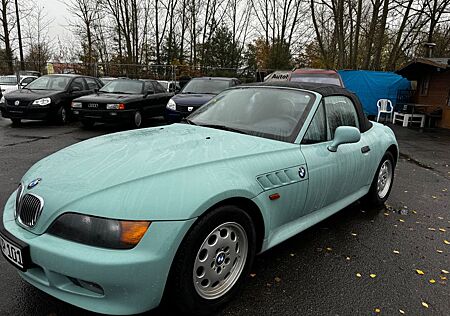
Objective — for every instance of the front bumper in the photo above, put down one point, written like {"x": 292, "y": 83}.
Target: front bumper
{"x": 106, "y": 116}
{"x": 132, "y": 280}
{"x": 26, "y": 112}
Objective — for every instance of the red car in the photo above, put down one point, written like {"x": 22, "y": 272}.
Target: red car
{"x": 317, "y": 76}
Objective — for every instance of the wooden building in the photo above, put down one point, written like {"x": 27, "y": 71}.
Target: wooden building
{"x": 431, "y": 77}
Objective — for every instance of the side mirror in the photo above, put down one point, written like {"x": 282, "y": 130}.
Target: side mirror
{"x": 23, "y": 84}
{"x": 75, "y": 89}
{"x": 344, "y": 135}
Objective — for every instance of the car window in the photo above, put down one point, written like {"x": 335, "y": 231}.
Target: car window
{"x": 148, "y": 87}
{"x": 27, "y": 80}
{"x": 317, "y": 130}
{"x": 123, "y": 86}
{"x": 317, "y": 78}
{"x": 51, "y": 82}
{"x": 79, "y": 83}
{"x": 340, "y": 111}
{"x": 92, "y": 83}
{"x": 158, "y": 87}
{"x": 206, "y": 85}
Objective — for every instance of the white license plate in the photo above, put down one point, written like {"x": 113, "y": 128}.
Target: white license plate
{"x": 11, "y": 252}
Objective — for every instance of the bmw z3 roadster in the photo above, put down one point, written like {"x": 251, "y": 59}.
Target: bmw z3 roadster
{"x": 115, "y": 223}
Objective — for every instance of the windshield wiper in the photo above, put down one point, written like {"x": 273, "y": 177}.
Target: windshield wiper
{"x": 188, "y": 121}
{"x": 223, "y": 127}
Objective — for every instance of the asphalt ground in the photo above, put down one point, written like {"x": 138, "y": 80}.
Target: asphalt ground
{"x": 361, "y": 261}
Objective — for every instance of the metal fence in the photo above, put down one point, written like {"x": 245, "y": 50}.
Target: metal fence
{"x": 134, "y": 71}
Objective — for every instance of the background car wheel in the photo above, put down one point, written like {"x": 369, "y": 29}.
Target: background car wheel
{"x": 213, "y": 260}
{"x": 62, "y": 116}
{"x": 16, "y": 122}
{"x": 87, "y": 123}
{"x": 382, "y": 182}
{"x": 137, "y": 119}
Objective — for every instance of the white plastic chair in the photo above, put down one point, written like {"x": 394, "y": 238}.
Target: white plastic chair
{"x": 384, "y": 106}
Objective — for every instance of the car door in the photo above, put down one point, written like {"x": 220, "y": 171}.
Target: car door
{"x": 161, "y": 98}
{"x": 333, "y": 176}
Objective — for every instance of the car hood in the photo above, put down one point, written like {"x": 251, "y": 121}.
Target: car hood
{"x": 109, "y": 98}
{"x": 97, "y": 175}
{"x": 30, "y": 95}
{"x": 192, "y": 99}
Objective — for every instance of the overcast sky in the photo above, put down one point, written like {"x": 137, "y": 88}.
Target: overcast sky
{"x": 56, "y": 10}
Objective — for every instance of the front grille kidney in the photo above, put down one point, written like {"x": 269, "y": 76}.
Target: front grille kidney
{"x": 30, "y": 208}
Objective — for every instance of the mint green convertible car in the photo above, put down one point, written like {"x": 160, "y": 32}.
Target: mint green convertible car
{"x": 114, "y": 223}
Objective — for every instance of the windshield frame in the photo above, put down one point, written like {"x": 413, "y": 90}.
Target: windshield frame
{"x": 116, "y": 81}
{"x": 292, "y": 138}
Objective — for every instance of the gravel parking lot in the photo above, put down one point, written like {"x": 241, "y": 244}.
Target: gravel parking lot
{"x": 360, "y": 261}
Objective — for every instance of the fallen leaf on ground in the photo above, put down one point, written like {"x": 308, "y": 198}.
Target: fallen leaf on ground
{"x": 415, "y": 212}
{"x": 292, "y": 254}
{"x": 443, "y": 277}
{"x": 420, "y": 272}
{"x": 442, "y": 230}
{"x": 329, "y": 248}
{"x": 424, "y": 304}
{"x": 358, "y": 275}
{"x": 277, "y": 279}
{"x": 432, "y": 281}
{"x": 439, "y": 251}
{"x": 377, "y": 310}
{"x": 252, "y": 275}
{"x": 401, "y": 311}
{"x": 434, "y": 197}
{"x": 353, "y": 234}
{"x": 386, "y": 214}
{"x": 446, "y": 242}
{"x": 401, "y": 220}
{"x": 444, "y": 271}
{"x": 373, "y": 276}
{"x": 396, "y": 251}
{"x": 440, "y": 217}
{"x": 347, "y": 258}
{"x": 432, "y": 229}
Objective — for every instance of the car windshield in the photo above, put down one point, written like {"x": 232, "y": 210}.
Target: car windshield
{"x": 123, "y": 86}
{"x": 273, "y": 113}
{"x": 317, "y": 78}
{"x": 8, "y": 80}
{"x": 207, "y": 86}
{"x": 58, "y": 83}
{"x": 165, "y": 84}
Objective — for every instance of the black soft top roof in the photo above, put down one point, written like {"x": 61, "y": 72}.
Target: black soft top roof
{"x": 324, "y": 90}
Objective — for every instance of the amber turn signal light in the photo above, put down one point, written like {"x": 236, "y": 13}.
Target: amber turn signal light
{"x": 132, "y": 232}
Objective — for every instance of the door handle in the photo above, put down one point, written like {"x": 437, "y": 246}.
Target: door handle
{"x": 365, "y": 149}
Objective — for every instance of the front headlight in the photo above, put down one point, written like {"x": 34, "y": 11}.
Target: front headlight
{"x": 98, "y": 231}
{"x": 115, "y": 106}
{"x": 77, "y": 105}
{"x": 171, "y": 105}
{"x": 2, "y": 100}
{"x": 42, "y": 102}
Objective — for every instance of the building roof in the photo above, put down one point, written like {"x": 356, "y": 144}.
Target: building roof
{"x": 441, "y": 63}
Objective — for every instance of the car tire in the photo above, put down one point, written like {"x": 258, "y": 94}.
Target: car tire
{"x": 213, "y": 261}
{"x": 87, "y": 124}
{"x": 137, "y": 120}
{"x": 62, "y": 115}
{"x": 382, "y": 182}
{"x": 16, "y": 122}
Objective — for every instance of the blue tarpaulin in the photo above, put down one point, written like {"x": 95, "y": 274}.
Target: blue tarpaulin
{"x": 370, "y": 86}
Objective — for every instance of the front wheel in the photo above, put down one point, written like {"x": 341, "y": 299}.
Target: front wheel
{"x": 213, "y": 261}
{"x": 137, "y": 120}
{"x": 382, "y": 182}
{"x": 62, "y": 116}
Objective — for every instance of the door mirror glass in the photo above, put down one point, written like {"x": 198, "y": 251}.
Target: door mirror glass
{"x": 344, "y": 135}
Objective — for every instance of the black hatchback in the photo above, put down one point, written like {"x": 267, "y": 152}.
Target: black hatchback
{"x": 47, "y": 98}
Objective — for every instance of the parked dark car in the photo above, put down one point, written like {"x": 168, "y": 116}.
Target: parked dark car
{"x": 194, "y": 94}
{"x": 122, "y": 101}
{"x": 47, "y": 98}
